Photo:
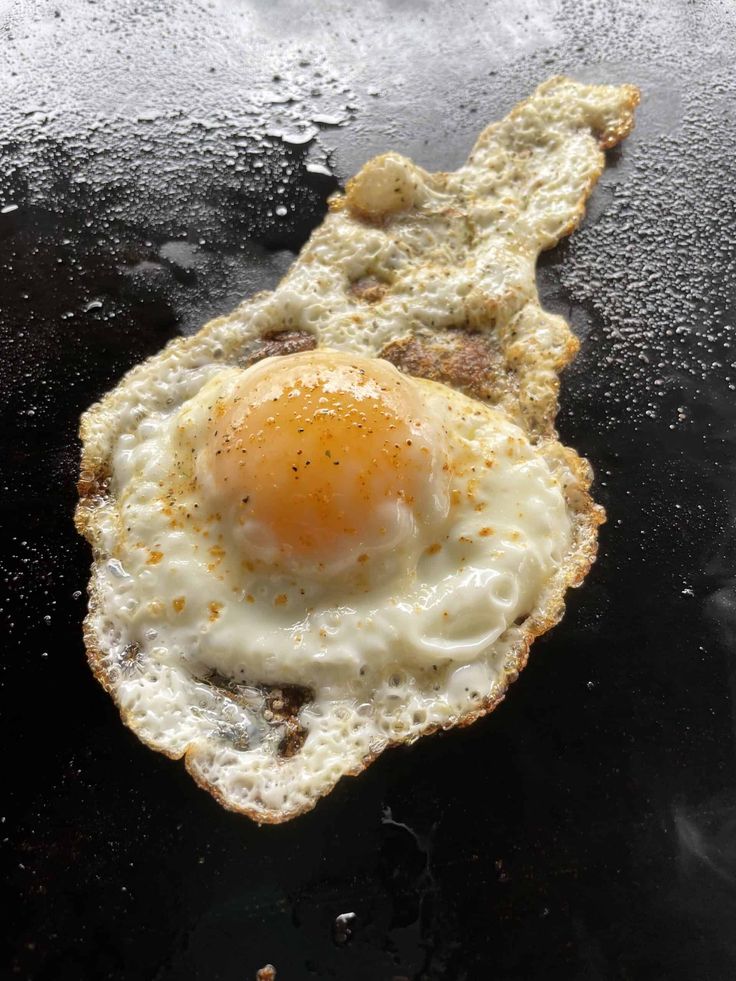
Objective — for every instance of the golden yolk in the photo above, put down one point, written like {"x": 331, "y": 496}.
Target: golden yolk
{"x": 317, "y": 452}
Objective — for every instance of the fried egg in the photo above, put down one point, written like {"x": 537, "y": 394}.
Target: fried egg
{"x": 336, "y": 519}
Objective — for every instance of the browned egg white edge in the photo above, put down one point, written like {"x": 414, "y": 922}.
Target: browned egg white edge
{"x": 586, "y": 514}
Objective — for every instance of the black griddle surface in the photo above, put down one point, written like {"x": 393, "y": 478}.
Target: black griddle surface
{"x": 585, "y": 830}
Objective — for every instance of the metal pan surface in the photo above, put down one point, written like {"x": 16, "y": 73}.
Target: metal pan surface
{"x": 162, "y": 160}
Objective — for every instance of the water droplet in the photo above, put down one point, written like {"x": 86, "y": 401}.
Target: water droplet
{"x": 318, "y": 168}
{"x": 342, "y": 930}
{"x": 299, "y": 138}
{"x": 324, "y": 119}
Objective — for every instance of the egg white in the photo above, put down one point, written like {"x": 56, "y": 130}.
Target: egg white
{"x": 210, "y": 682}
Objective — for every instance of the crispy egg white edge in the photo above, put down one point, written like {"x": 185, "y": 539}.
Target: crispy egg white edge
{"x": 122, "y": 408}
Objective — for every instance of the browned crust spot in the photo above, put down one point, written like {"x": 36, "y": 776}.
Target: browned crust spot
{"x": 93, "y": 481}
{"x": 284, "y": 704}
{"x": 463, "y": 359}
{"x": 281, "y": 707}
{"x": 369, "y": 289}
{"x": 287, "y": 342}
{"x": 275, "y": 343}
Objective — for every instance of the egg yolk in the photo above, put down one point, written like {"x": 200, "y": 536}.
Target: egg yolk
{"x": 321, "y": 454}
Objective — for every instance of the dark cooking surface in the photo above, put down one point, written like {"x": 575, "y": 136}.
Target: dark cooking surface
{"x": 586, "y": 830}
